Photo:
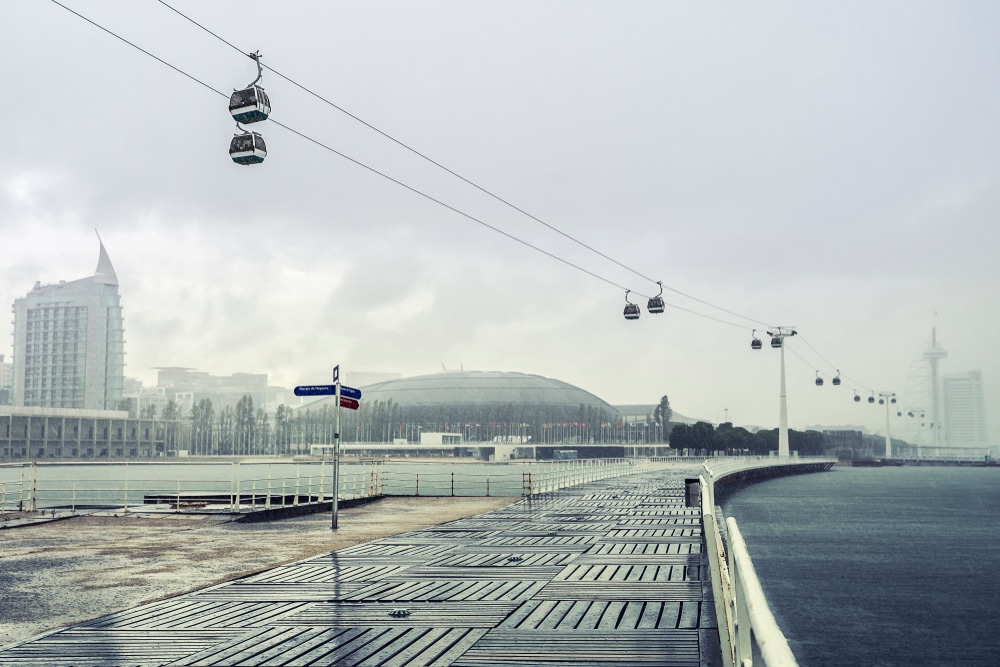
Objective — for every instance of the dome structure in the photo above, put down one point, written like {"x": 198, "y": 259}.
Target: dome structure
{"x": 482, "y": 409}
{"x": 480, "y": 389}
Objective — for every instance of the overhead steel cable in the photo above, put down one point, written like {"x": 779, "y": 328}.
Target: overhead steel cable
{"x": 849, "y": 381}
{"x": 400, "y": 183}
{"x": 358, "y": 162}
{"x": 457, "y": 175}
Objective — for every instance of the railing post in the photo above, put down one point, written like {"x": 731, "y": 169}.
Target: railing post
{"x": 418, "y": 484}
{"x": 453, "y": 483}
{"x": 72, "y": 507}
{"x": 267, "y": 503}
{"x": 721, "y": 585}
{"x": 236, "y": 496}
{"x": 34, "y": 486}
{"x": 487, "y": 486}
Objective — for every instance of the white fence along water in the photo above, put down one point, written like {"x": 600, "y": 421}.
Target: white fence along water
{"x": 744, "y": 618}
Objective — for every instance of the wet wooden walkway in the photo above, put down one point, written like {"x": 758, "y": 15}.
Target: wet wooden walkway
{"x": 608, "y": 573}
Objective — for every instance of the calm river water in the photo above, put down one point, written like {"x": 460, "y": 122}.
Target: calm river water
{"x": 880, "y": 566}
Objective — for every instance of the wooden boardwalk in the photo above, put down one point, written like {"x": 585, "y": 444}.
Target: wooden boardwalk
{"x": 608, "y": 573}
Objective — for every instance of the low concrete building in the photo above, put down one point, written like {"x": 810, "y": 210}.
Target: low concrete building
{"x": 44, "y": 434}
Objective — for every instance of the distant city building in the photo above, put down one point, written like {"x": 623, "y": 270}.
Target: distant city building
{"x": 6, "y": 381}
{"x": 188, "y": 386}
{"x": 145, "y": 400}
{"x": 964, "y": 410}
{"x": 69, "y": 346}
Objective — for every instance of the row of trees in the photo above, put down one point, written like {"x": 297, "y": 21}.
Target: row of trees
{"x": 736, "y": 439}
{"x": 246, "y": 429}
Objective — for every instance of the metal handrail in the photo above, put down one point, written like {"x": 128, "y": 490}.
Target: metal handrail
{"x": 751, "y": 604}
{"x": 744, "y": 618}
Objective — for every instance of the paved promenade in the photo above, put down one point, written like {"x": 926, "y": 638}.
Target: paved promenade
{"x": 608, "y": 573}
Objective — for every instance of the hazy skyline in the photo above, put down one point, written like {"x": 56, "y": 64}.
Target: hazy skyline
{"x": 833, "y": 166}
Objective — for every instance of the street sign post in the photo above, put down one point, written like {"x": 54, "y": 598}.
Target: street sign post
{"x": 336, "y": 450}
{"x": 346, "y": 397}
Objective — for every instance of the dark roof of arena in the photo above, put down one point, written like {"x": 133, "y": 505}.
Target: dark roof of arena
{"x": 480, "y": 388}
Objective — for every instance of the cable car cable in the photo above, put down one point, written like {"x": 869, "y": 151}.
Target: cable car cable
{"x": 459, "y": 176}
{"x": 357, "y": 162}
{"x": 404, "y": 185}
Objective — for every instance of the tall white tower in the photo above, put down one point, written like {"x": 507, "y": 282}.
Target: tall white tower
{"x": 933, "y": 354}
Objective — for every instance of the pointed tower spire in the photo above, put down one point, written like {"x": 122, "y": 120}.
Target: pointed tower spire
{"x": 105, "y": 273}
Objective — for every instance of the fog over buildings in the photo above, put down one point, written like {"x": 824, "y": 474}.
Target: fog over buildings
{"x": 832, "y": 166}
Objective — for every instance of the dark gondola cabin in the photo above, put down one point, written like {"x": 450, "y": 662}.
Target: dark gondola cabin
{"x": 249, "y": 105}
{"x": 776, "y": 342}
{"x": 755, "y": 344}
{"x": 655, "y": 304}
{"x": 247, "y": 148}
{"x": 631, "y": 311}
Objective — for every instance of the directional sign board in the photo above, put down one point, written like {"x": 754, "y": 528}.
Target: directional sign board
{"x": 328, "y": 390}
{"x": 348, "y": 403}
{"x": 350, "y": 392}
{"x": 316, "y": 390}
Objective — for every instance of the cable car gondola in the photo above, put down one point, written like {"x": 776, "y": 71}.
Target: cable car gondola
{"x": 247, "y": 148}
{"x": 775, "y": 341}
{"x": 836, "y": 380}
{"x": 755, "y": 344}
{"x": 251, "y": 104}
{"x": 819, "y": 380}
{"x": 655, "y": 303}
{"x": 631, "y": 309}
{"x": 857, "y": 399}
{"x": 871, "y": 399}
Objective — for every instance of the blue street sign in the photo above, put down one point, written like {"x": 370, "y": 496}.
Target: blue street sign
{"x": 316, "y": 390}
{"x": 350, "y": 392}
{"x": 328, "y": 390}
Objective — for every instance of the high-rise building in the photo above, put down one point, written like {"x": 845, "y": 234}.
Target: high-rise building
{"x": 69, "y": 346}
{"x": 6, "y": 380}
{"x": 964, "y": 410}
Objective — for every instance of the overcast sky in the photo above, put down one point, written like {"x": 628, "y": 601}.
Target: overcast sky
{"x": 833, "y": 166}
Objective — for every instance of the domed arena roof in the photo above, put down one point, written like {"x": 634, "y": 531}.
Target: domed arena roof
{"x": 481, "y": 388}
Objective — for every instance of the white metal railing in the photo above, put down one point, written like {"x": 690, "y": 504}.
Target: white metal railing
{"x": 258, "y": 485}
{"x": 30, "y": 486}
{"x": 744, "y": 618}
{"x": 523, "y": 479}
